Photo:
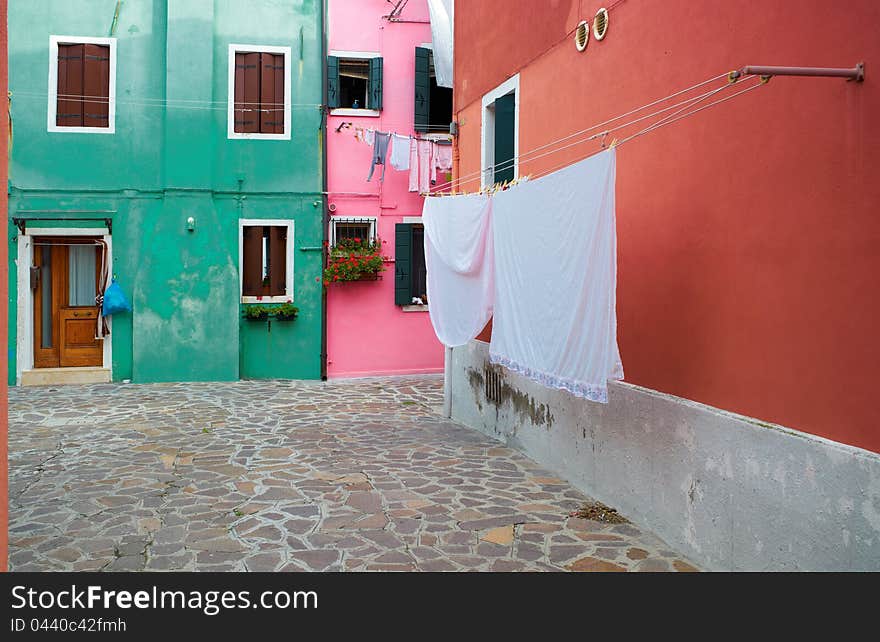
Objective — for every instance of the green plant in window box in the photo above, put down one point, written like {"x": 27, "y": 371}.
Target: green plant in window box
{"x": 354, "y": 260}
{"x": 256, "y": 312}
{"x": 286, "y": 312}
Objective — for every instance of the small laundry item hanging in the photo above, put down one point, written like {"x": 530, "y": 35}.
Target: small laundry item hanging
{"x": 460, "y": 265}
{"x": 555, "y": 249}
{"x": 442, "y": 160}
{"x": 420, "y": 160}
{"x": 400, "y": 148}
{"x": 380, "y": 151}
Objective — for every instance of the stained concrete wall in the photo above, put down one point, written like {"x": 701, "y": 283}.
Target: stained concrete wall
{"x": 730, "y": 492}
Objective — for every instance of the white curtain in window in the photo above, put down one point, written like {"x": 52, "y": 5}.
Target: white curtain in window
{"x": 441, "y": 39}
{"x": 82, "y": 275}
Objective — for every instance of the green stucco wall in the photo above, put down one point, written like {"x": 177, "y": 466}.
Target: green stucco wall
{"x": 170, "y": 159}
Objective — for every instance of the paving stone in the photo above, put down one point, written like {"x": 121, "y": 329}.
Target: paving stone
{"x": 593, "y": 565}
{"x": 290, "y": 475}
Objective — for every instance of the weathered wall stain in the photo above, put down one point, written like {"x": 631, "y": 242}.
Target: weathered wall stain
{"x": 494, "y": 388}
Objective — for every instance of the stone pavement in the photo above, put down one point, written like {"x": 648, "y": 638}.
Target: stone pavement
{"x": 288, "y": 476}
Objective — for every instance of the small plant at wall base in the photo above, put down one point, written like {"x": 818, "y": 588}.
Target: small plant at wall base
{"x": 354, "y": 260}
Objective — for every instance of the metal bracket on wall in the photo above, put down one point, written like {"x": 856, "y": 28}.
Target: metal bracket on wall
{"x": 21, "y": 221}
{"x": 311, "y": 248}
{"x": 856, "y": 73}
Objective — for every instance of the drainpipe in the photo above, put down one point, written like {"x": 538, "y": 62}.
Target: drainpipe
{"x": 325, "y": 222}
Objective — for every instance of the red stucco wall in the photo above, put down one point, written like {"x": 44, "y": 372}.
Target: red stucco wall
{"x": 749, "y": 234}
{"x": 4, "y": 288}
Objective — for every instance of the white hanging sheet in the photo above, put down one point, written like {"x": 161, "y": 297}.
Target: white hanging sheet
{"x": 442, "y": 19}
{"x": 555, "y": 248}
{"x": 460, "y": 265}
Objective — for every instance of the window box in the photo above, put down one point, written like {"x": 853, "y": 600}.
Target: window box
{"x": 354, "y": 260}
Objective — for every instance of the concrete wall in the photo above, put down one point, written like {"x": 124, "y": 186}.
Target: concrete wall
{"x": 367, "y": 333}
{"x": 165, "y": 164}
{"x": 730, "y": 492}
{"x": 748, "y": 233}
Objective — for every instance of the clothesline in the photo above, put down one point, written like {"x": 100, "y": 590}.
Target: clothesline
{"x": 422, "y": 157}
{"x": 555, "y": 146}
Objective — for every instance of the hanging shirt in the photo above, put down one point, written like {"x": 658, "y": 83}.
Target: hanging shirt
{"x": 400, "y": 152}
{"x": 460, "y": 265}
{"x": 555, "y": 248}
{"x": 421, "y": 156}
{"x": 380, "y": 150}
{"x": 442, "y": 160}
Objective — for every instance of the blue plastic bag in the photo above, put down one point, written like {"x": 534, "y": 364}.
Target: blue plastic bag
{"x": 114, "y": 300}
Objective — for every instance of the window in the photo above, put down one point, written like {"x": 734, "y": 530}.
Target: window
{"x": 354, "y": 81}
{"x": 82, "y": 85}
{"x": 259, "y": 92}
{"x": 500, "y": 133}
{"x": 352, "y": 228}
{"x": 410, "y": 274}
{"x": 433, "y": 104}
{"x": 266, "y": 260}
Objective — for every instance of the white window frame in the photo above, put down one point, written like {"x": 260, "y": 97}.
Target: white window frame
{"x": 331, "y": 233}
{"x": 289, "y": 273}
{"x": 52, "y": 110}
{"x": 230, "y": 119}
{"x": 487, "y": 129}
{"x": 355, "y": 55}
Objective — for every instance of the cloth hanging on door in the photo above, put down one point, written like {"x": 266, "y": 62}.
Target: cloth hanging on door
{"x": 380, "y": 150}
{"x": 103, "y": 328}
{"x": 460, "y": 265}
{"x": 555, "y": 248}
{"x": 400, "y": 149}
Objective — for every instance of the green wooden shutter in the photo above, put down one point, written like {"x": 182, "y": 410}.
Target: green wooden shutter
{"x": 332, "y": 82}
{"x": 403, "y": 246}
{"x": 422, "y": 114}
{"x": 504, "y": 138}
{"x": 375, "y": 90}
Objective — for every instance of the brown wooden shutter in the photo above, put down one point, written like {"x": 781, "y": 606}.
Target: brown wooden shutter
{"x": 69, "y": 108}
{"x": 271, "y": 93}
{"x": 277, "y": 260}
{"x": 279, "y": 93}
{"x": 247, "y": 93}
{"x": 96, "y": 86}
{"x": 252, "y": 261}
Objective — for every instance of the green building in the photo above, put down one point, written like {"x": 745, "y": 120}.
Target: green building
{"x": 175, "y": 145}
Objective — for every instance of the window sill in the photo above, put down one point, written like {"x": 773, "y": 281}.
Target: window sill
{"x": 414, "y": 308}
{"x": 60, "y": 129}
{"x": 345, "y": 111}
{"x": 267, "y": 299}
{"x": 255, "y": 136}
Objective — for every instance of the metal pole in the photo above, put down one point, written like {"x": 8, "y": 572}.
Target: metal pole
{"x": 856, "y": 73}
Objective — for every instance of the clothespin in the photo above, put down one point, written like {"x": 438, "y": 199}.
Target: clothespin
{"x": 613, "y": 144}
{"x": 604, "y": 134}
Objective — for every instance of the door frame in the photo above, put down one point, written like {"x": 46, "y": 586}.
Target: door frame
{"x": 24, "y": 343}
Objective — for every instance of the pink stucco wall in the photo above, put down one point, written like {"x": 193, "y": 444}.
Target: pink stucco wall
{"x": 366, "y": 333}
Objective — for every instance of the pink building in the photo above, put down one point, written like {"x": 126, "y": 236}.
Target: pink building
{"x": 373, "y": 327}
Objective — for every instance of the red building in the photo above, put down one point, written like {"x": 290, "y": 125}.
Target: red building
{"x": 748, "y": 233}
{"x": 748, "y": 262}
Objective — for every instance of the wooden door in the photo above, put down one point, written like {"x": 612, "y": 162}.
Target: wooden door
{"x": 64, "y": 280}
